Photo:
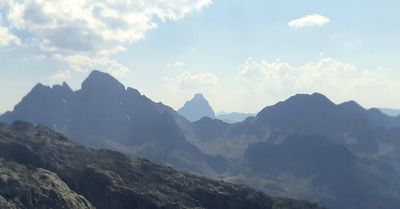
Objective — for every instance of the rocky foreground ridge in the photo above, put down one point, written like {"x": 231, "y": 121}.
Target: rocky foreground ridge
{"x": 40, "y": 168}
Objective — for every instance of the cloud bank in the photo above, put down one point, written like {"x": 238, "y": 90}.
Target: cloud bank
{"x": 339, "y": 81}
{"x": 6, "y": 38}
{"x": 84, "y": 64}
{"x": 309, "y": 20}
{"x": 195, "y": 82}
{"x": 84, "y": 33}
{"x": 85, "y": 26}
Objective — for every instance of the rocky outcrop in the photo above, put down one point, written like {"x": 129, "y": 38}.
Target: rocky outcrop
{"x": 30, "y": 187}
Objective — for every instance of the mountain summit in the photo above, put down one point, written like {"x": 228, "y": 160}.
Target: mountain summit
{"x": 102, "y": 81}
{"x": 105, "y": 114}
{"x": 197, "y": 108}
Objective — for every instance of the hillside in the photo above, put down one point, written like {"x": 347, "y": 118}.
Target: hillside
{"x": 107, "y": 179}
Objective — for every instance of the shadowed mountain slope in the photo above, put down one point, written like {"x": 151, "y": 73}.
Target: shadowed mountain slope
{"x": 307, "y": 147}
{"x": 328, "y": 172}
{"x": 111, "y": 180}
{"x": 315, "y": 114}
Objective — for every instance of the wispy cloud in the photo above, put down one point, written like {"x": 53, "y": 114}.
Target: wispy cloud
{"x": 309, "y": 20}
{"x": 338, "y": 80}
{"x": 188, "y": 81}
{"x": 83, "y": 64}
{"x": 176, "y": 64}
{"x": 6, "y": 38}
{"x": 62, "y": 76}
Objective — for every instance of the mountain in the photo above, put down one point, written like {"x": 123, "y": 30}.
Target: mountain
{"x": 234, "y": 117}
{"x": 196, "y": 108}
{"x": 390, "y": 112}
{"x": 317, "y": 115}
{"x": 316, "y": 169}
{"x": 104, "y": 114}
{"x": 307, "y": 147}
{"x": 42, "y": 169}
{"x": 209, "y": 129}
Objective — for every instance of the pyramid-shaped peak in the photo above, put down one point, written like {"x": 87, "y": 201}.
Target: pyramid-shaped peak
{"x": 198, "y": 96}
{"x": 101, "y": 80}
{"x": 197, "y": 108}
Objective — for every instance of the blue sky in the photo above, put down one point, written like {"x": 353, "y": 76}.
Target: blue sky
{"x": 242, "y": 55}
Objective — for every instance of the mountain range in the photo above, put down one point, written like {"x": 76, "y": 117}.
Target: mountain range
{"x": 306, "y": 147}
{"x": 40, "y": 168}
{"x": 390, "y": 112}
{"x": 105, "y": 114}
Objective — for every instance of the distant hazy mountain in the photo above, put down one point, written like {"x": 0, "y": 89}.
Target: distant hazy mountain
{"x": 390, "y": 112}
{"x": 234, "y": 117}
{"x": 103, "y": 114}
{"x": 197, "y": 108}
{"x": 42, "y": 169}
{"x": 317, "y": 115}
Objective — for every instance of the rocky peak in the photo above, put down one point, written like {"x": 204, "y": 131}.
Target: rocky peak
{"x": 102, "y": 81}
{"x": 315, "y": 99}
{"x": 40, "y": 88}
{"x": 197, "y": 108}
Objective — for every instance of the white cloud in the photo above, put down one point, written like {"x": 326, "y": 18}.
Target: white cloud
{"x": 257, "y": 76}
{"x": 309, "y": 20}
{"x": 6, "y": 38}
{"x": 4, "y": 3}
{"x": 176, "y": 64}
{"x": 339, "y": 81}
{"x": 117, "y": 70}
{"x": 85, "y": 26}
{"x": 83, "y": 64}
{"x": 63, "y": 76}
{"x": 187, "y": 81}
